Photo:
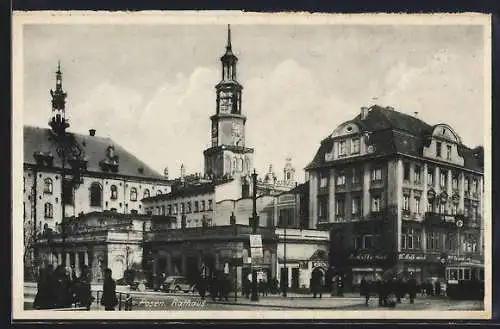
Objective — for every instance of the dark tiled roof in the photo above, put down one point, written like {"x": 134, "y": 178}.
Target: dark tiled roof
{"x": 186, "y": 191}
{"x": 394, "y": 132}
{"x": 94, "y": 149}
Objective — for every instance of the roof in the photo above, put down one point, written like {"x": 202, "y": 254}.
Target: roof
{"x": 37, "y": 139}
{"x": 393, "y": 132}
{"x": 299, "y": 189}
{"x": 190, "y": 189}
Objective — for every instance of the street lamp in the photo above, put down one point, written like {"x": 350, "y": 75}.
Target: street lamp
{"x": 254, "y": 221}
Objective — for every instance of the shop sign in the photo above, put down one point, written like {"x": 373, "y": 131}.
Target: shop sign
{"x": 412, "y": 257}
{"x": 449, "y": 219}
{"x": 367, "y": 257}
{"x": 455, "y": 258}
{"x": 319, "y": 263}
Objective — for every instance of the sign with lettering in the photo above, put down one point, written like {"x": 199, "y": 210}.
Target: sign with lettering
{"x": 449, "y": 219}
{"x": 455, "y": 258}
{"x": 319, "y": 263}
{"x": 412, "y": 257}
{"x": 367, "y": 257}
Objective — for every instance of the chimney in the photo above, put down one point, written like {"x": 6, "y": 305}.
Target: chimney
{"x": 364, "y": 112}
{"x": 416, "y": 114}
{"x": 92, "y": 132}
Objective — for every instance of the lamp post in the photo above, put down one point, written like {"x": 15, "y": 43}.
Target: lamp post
{"x": 254, "y": 220}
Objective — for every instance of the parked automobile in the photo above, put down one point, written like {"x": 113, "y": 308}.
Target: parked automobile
{"x": 137, "y": 280}
{"x": 177, "y": 284}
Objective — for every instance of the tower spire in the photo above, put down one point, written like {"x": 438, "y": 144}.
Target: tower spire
{"x": 228, "y": 46}
{"x": 58, "y": 121}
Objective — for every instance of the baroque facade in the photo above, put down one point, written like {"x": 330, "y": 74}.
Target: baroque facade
{"x": 395, "y": 191}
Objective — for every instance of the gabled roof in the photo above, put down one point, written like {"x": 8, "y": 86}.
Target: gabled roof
{"x": 394, "y": 132}
{"x": 94, "y": 149}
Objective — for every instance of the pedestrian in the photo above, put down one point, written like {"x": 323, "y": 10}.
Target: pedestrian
{"x": 412, "y": 288}
{"x": 364, "y": 289}
{"x": 45, "y": 297}
{"x": 62, "y": 288}
{"x": 261, "y": 287}
{"x": 340, "y": 286}
{"x": 437, "y": 286}
{"x": 84, "y": 293}
{"x": 201, "y": 286}
{"x": 213, "y": 286}
{"x": 109, "y": 300}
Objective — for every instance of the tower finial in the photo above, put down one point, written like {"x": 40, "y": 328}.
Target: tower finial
{"x": 58, "y": 66}
{"x": 229, "y": 47}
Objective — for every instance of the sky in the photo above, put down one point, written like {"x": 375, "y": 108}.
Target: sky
{"x": 151, "y": 87}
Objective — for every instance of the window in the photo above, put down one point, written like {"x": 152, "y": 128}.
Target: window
{"x": 410, "y": 239}
{"x": 430, "y": 176}
{"x": 417, "y": 204}
{"x": 48, "y": 210}
{"x": 210, "y": 206}
{"x": 323, "y": 182}
{"x": 189, "y": 207}
{"x": 454, "y": 181}
{"x": 68, "y": 193}
{"x": 466, "y": 184}
{"x": 448, "y": 152}
{"x": 474, "y": 185}
{"x": 202, "y": 205}
{"x": 406, "y": 172}
{"x": 355, "y": 146}
{"x": 375, "y": 203}
{"x": 342, "y": 148}
{"x": 95, "y": 195}
{"x": 438, "y": 149}
{"x": 146, "y": 193}
{"x": 454, "y": 208}
{"x": 341, "y": 179}
{"x": 417, "y": 176}
{"x": 182, "y": 208}
{"x": 442, "y": 178}
{"x": 377, "y": 174}
{"x": 133, "y": 194}
{"x": 406, "y": 203}
{"x": 169, "y": 209}
{"x": 356, "y": 206}
{"x": 322, "y": 207}
{"x": 163, "y": 210}
{"x": 451, "y": 241}
{"x": 47, "y": 186}
{"x": 339, "y": 207}
{"x": 176, "y": 209}
{"x": 433, "y": 241}
{"x": 474, "y": 212}
{"x": 196, "y": 206}
{"x": 114, "y": 192}
{"x": 356, "y": 176}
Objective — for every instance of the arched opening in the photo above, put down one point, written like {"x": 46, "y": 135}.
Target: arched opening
{"x": 95, "y": 195}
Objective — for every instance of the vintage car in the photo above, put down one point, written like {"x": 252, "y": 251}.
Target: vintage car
{"x": 177, "y": 284}
{"x": 135, "y": 279}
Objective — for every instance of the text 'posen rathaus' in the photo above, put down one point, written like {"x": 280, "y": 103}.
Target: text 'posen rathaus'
{"x": 384, "y": 190}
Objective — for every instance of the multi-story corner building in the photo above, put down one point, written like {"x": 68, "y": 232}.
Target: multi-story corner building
{"x": 112, "y": 178}
{"x": 396, "y": 192}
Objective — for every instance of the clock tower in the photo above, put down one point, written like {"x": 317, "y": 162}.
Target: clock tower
{"x": 228, "y": 155}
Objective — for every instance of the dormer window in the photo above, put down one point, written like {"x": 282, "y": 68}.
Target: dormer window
{"x": 355, "y": 146}
{"x": 448, "y": 152}
{"x": 342, "y": 148}
{"x": 438, "y": 149}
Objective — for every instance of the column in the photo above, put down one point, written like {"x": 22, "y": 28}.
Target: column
{"x": 331, "y": 196}
{"x": 424, "y": 204}
{"x": 313, "y": 199}
{"x": 59, "y": 258}
{"x": 437, "y": 180}
{"x": 366, "y": 190}
{"x": 68, "y": 260}
{"x": 449, "y": 190}
{"x": 399, "y": 198}
{"x": 77, "y": 263}
{"x": 274, "y": 264}
{"x": 461, "y": 192}
{"x": 275, "y": 212}
{"x": 86, "y": 258}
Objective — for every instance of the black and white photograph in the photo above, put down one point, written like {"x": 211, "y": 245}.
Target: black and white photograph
{"x": 190, "y": 165}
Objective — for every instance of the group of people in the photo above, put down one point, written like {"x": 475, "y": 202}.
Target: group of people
{"x": 218, "y": 285}
{"x": 390, "y": 291}
{"x": 61, "y": 288}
